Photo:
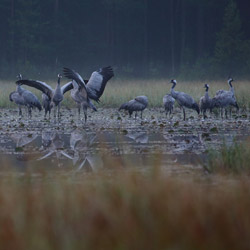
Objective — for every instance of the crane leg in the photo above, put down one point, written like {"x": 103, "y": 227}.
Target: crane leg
{"x": 85, "y": 116}
{"x": 54, "y": 106}
{"x": 20, "y": 110}
{"x": 141, "y": 114}
{"x": 184, "y": 114}
{"x": 58, "y": 110}
{"x": 29, "y": 112}
{"x": 204, "y": 113}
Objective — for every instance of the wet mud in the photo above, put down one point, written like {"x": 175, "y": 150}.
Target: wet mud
{"x": 110, "y": 140}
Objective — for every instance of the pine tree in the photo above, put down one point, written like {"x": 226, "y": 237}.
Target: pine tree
{"x": 229, "y": 54}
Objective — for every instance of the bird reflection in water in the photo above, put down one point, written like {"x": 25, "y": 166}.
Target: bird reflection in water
{"x": 23, "y": 141}
{"x": 81, "y": 143}
{"x": 138, "y": 137}
{"x": 52, "y": 143}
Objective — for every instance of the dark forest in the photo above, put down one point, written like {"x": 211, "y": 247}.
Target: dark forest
{"x": 191, "y": 39}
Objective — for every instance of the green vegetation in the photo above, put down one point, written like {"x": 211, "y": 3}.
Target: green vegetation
{"x": 119, "y": 91}
{"x": 233, "y": 158}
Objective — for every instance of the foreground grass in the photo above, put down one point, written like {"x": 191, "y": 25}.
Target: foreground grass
{"x": 119, "y": 91}
{"x": 124, "y": 211}
{"x": 233, "y": 158}
{"x": 119, "y": 209}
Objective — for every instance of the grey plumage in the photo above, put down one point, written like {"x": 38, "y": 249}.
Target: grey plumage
{"x": 231, "y": 89}
{"x": 23, "y": 97}
{"x": 206, "y": 102}
{"x": 224, "y": 98}
{"x": 223, "y": 101}
{"x": 168, "y": 103}
{"x": 137, "y": 104}
{"x": 79, "y": 92}
{"x": 51, "y": 97}
{"x": 17, "y": 99}
{"x": 184, "y": 100}
{"x": 97, "y": 82}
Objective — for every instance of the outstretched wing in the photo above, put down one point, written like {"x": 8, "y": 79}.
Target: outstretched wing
{"x": 66, "y": 87}
{"x": 98, "y": 81}
{"x": 73, "y": 75}
{"x": 42, "y": 86}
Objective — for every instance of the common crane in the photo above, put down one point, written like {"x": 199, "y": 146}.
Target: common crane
{"x": 51, "y": 97}
{"x": 95, "y": 85}
{"x": 223, "y": 101}
{"x": 205, "y": 102}
{"x": 97, "y": 82}
{"x": 184, "y": 100}
{"x": 168, "y": 103}
{"x": 137, "y": 104}
{"x": 231, "y": 90}
{"x": 23, "y": 97}
{"x": 224, "y": 98}
{"x": 79, "y": 92}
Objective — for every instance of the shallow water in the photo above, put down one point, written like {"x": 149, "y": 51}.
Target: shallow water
{"x": 111, "y": 140}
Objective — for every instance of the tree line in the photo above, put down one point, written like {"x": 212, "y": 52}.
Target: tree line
{"x": 139, "y": 38}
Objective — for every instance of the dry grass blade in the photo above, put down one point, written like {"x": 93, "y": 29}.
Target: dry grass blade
{"x": 125, "y": 211}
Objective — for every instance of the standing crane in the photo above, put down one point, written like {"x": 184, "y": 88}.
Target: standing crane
{"x": 51, "y": 97}
{"x": 184, "y": 100}
{"x": 23, "y": 97}
{"x": 223, "y": 101}
{"x": 231, "y": 90}
{"x": 224, "y": 98}
{"x": 137, "y": 104}
{"x": 79, "y": 92}
{"x": 205, "y": 102}
{"x": 94, "y": 86}
{"x": 168, "y": 103}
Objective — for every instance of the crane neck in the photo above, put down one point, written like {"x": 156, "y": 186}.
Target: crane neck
{"x": 58, "y": 80}
{"x": 173, "y": 86}
{"x": 19, "y": 89}
{"x": 230, "y": 83}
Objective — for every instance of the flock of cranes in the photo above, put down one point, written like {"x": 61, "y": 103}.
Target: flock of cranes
{"x": 83, "y": 92}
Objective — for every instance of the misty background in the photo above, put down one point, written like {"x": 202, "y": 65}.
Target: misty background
{"x": 190, "y": 39}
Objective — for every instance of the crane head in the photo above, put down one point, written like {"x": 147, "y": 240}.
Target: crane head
{"x": 173, "y": 81}
{"x": 19, "y": 76}
{"x": 59, "y": 76}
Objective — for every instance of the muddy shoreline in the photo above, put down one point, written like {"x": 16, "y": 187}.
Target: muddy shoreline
{"x": 109, "y": 136}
